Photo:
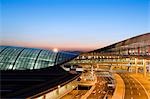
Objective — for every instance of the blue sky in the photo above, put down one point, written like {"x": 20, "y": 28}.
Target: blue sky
{"x": 72, "y": 24}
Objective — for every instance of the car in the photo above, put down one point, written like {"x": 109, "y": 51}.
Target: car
{"x": 94, "y": 92}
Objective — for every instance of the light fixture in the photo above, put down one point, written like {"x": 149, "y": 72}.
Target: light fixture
{"x": 58, "y": 86}
{"x": 55, "y": 50}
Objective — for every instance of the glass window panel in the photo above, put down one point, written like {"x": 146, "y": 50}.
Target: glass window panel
{"x": 27, "y": 59}
{"x": 2, "y": 47}
{"x": 46, "y": 58}
{"x": 8, "y": 57}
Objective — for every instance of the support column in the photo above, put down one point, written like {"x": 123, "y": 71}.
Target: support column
{"x": 129, "y": 67}
{"x": 136, "y": 67}
{"x": 111, "y": 67}
{"x": 144, "y": 67}
{"x": 97, "y": 66}
{"x": 92, "y": 72}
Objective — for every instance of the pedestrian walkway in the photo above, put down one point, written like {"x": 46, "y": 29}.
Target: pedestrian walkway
{"x": 75, "y": 94}
{"x": 120, "y": 88}
{"x": 145, "y": 81}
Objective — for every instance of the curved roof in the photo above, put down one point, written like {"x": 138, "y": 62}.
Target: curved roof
{"x": 20, "y": 58}
{"x": 136, "y": 39}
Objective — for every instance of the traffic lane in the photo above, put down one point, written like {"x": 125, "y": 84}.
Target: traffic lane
{"x": 133, "y": 90}
{"x": 138, "y": 91}
{"x": 100, "y": 89}
{"x": 127, "y": 85}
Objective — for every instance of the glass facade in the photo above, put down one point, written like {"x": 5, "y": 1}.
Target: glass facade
{"x": 20, "y": 58}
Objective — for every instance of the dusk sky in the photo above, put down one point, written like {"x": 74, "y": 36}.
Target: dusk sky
{"x": 72, "y": 24}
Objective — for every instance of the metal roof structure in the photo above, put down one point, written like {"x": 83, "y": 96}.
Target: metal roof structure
{"x": 20, "y": 58}
{"x": 138, "y": 45}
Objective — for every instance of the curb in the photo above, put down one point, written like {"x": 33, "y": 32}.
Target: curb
{"x": 120, "y": 86}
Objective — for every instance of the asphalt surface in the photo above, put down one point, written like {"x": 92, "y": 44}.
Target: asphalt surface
{"x": 133, "y": 89}
{"x": 100, "y": 89}
{"x": 75, "y": 94}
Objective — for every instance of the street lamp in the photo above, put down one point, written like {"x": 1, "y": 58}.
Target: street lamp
{"x": 58, "y": 86}
{"x": 58, "y": 89}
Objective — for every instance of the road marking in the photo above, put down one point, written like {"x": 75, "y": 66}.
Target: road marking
{"x": 139, "y": 94}
{"x": 131, "y": 92}
{"x": 131, "y": 97}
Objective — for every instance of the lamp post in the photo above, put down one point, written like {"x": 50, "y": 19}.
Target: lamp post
{"x": 58, "y": 89}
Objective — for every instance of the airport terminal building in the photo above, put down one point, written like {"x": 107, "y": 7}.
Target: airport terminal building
{"x": 38, "y": 73}
{"x": 34, "y": 73}
{"x": 137, "y": 45}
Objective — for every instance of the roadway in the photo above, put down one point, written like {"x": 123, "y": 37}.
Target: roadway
{"x": 133, "y": 89}
{"x": 100, "y": 89}
{"x": 74, "y": 94}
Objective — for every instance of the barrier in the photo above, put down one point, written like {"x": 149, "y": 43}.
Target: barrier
{"x": 120, "y": 88}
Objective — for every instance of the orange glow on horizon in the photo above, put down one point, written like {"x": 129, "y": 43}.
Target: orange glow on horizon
{"x": 55, "y": 50}
{"x": 63, "y": 46}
